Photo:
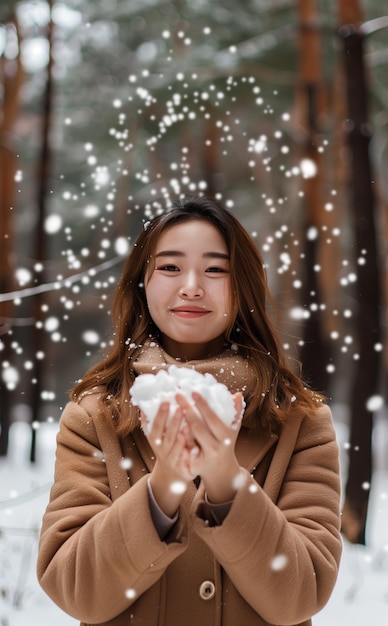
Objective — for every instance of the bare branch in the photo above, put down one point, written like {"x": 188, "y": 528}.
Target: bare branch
{"x": 58, "y": 284}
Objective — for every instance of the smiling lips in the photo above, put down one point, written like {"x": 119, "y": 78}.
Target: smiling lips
{"x": 190, "y": 312}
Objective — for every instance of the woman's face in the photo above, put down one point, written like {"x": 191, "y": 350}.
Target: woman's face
{"x": 188, "y": 289}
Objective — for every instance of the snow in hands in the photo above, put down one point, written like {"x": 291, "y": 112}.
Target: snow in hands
{"x": 150, "y": 390}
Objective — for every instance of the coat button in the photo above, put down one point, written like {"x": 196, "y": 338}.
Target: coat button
{"x": 207, "y": 590}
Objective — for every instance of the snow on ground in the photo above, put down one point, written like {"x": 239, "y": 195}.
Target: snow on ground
{"x": 360, "y": 596}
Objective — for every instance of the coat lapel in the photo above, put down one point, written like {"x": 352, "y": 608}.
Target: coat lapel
{"x": 282, "y": 457}
{"x": 113, "y": 456}
{"x": 252, "y": 446}
{"x": 143, "y": 448}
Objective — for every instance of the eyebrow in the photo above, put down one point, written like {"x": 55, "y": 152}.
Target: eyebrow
{"x": 206, "y": 255}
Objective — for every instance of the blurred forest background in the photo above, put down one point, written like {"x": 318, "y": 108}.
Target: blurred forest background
{"x": 110, "y": 110}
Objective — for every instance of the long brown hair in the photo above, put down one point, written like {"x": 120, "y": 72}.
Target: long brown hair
{"x": 278, "y": 389}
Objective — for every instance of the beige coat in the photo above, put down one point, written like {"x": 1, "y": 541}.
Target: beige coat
{"x": 273, "y": 560}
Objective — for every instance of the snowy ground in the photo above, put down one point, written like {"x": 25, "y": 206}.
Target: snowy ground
{"x": 360, "y": 597}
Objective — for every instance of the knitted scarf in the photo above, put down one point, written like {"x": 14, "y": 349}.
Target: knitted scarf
{"x": 228, "y": 367}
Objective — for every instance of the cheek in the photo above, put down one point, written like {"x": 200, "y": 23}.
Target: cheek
{"x": 149, "y": 295}
{"x": 157, "y": 296}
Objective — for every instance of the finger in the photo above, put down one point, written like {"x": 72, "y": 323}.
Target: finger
{"x": 160, "y": 423}
{"x": 188, "y": 434}
{"x": 184, "y": 403}
{"x": 190, "y": 412}
{"x": 178, "y": 459}
{"x": 173, "y": 427}
{"x": 239, "y": 405}
{"x": 174, "y": 446}
{"x": 213, "y": 421}
{"x": 222, "y": 432}
{"x": 200, "y": 434}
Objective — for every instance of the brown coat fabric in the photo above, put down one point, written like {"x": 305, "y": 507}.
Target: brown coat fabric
{"x": 273, "y": 560}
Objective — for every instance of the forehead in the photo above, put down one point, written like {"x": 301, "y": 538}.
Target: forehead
{"x": 194, "y": 234}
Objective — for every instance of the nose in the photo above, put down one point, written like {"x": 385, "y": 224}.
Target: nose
{"x": 191, "y": 286}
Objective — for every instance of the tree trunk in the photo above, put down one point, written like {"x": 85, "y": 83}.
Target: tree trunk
{"x": 11, "y": 75}
{"x": 38, "y": 339}
{"x": 7, "y": 173}
{"x": 310, "y": 91}
{"x": 368, "y": 290}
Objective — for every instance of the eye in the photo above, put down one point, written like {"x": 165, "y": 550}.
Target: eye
{"x": 168, "y": 268}
{"x": 221, "y": 270}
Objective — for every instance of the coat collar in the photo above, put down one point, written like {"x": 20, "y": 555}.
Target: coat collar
{"x": 252, "y": 445}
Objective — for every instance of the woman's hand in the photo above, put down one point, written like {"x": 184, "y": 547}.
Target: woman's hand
{"x": 213, "y": 456}
{"x": 169, "y": 439}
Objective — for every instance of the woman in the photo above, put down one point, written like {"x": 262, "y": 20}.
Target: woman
{"x": 194, "y": 522}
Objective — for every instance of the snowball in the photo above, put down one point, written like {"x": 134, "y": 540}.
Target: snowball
{"x": 150, "y": 390}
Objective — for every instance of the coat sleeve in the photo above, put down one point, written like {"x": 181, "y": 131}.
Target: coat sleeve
{"x": 283, "y": 557}
{"x": 96, "y": 557}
